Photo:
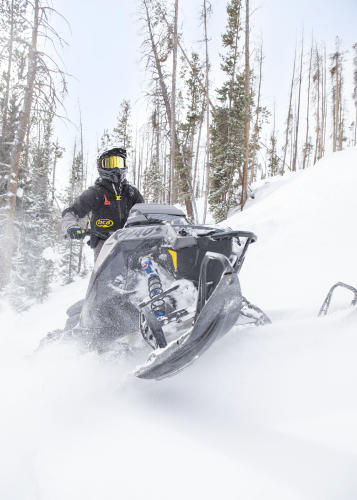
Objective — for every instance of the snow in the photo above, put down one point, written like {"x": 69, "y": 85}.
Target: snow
{"x": 267, "y": 412}
{"x": 50, "y": 255}
{"x": 306, "y": 235}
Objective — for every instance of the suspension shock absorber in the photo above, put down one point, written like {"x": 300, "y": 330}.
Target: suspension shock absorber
{"x": 155, "y": 288}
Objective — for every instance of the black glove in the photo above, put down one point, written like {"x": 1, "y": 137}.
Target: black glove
{"x": 76, "y": 232}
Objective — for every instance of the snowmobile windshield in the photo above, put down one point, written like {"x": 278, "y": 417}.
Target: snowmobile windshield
{"x": 171, "y": 219}
{"x": 142, "y": 219}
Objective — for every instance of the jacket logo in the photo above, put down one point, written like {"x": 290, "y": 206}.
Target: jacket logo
{"x": 104, "y": 223}
{"x": 106, "y": 201}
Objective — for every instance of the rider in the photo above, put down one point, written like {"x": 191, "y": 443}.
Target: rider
{"x": 109, "y": 201}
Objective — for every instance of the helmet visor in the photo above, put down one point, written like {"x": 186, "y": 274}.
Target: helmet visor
{"x": 113, "y": 162}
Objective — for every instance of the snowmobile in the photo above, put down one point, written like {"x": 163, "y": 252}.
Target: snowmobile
{"x": 174, "y": 282}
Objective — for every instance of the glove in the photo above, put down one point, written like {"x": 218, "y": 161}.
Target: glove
{"x": 76, "y": 232}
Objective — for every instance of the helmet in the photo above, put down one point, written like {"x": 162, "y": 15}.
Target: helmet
{"x": 112, "y": 165}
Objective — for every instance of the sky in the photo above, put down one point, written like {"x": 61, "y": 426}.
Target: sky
{"x": 104, "y": 56}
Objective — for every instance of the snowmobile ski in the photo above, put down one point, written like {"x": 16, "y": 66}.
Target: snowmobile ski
{"x": 326, "y": 303}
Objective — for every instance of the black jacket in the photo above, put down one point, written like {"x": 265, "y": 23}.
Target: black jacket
{"x": 108, "y": 204}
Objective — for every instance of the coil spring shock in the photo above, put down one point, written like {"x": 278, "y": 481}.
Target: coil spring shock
{"x": 155, "y": 288}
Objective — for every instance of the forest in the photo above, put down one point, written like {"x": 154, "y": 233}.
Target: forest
{"x": 202, "y": 147}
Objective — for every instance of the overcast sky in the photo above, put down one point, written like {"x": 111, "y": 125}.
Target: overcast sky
{"x": 104, "y": 54}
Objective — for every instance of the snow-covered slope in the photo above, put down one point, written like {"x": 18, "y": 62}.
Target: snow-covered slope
{"x": 307, "y": 237}
{"x": 267, "y": 412}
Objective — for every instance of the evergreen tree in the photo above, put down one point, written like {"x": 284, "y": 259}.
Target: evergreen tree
{"x": 72, "y": 253}
{"x": 337, "y": 81}
{"x": 31, "y": 87}
{"x": 122, "y": 134}
{"x": 37, "y": 225}
{"x": 273, "y": 165}
{"x": 228, "y": 123}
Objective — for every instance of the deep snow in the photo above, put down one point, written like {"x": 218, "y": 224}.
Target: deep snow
{"x": 267, "y": 412}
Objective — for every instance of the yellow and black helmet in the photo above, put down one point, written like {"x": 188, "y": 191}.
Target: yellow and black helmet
{"x": 111, "y": 164}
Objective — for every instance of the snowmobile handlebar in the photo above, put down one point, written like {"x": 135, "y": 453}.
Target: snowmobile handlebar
{"x": 87, "y": 233}
{"x": 251, "y": 237}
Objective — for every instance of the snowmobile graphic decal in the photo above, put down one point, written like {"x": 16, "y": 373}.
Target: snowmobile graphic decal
{"x": 104, "y": 223}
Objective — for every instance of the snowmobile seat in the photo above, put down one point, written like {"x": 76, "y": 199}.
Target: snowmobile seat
{"x": 189, "y": 259}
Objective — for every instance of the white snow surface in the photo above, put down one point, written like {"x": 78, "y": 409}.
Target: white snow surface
{"x": 267, "y": 412}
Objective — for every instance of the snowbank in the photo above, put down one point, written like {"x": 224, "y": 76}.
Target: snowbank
{"x": 307, "y": 235}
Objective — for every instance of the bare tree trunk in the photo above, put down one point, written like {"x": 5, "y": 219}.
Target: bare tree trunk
{"x": 80, "y": 257}
{"x": 5, "y": 105}
{"x": 187, "y": 58}
{"x": 307, "y": 148}
{"x": 141, "y": 152}
{"x": 157, "y": 146}
{"x": 195, "y": 170}
{"x": 318, "y": 126}
{"x": 298, "y": 109}
{"x": 207, "y": 116}
{"x": 181, "y": 174}
{"x": 173, "y": 98}
{"x": 257, "y": 114}
{"x": 162, "y": 84}
{"x": 54, "y": 175}
{"x": 233, "y": 76}
{"x": 321, "y": 141}
{"x": 292, "y": 137}
{"x": 289, "y": 116}
{"x": 336, "y": 101}
{"x": 165, "y": 196}
{"x": 338, "y": 105}
{"x": 324, "y": 127}
{"x": 247, "y": 110}
{"x": 340, "y": 130}
{"x": 135, "y": 155}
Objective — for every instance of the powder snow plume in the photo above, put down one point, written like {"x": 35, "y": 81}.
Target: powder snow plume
{"x": 267, "y": 412}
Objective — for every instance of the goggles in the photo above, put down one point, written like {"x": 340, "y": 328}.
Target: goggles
{"x": 113, "y": 162}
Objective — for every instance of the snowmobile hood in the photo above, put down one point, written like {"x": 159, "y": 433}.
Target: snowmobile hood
{"x": 114, "y": 288}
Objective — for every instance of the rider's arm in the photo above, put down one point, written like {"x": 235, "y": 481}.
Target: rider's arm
{"x": 82, "y": 206}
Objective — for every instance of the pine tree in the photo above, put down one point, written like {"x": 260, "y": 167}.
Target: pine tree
{"x": 274, "y": 166}
{"x": 122, "y": 134}
{"x": 261, "y": 117}
{"x": 228, "y": 132}
{"x": 72, "y": 253}
{"x": 37, "y": 226}
{"x": 336, "y": 73}
{"x": 307, "y": 148}
{"x": 33, "y": 86}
